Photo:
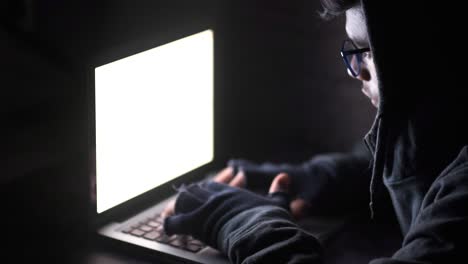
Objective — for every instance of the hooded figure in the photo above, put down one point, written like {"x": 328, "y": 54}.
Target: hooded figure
{"x": 416, "y": 166}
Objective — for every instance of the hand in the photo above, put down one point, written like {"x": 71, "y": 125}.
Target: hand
{"x": 281, "y": 182}
{"x": 202, "y": 209}
{"x": 224, "y": 176}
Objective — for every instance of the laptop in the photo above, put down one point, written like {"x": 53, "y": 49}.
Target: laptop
{"x": 152, "y": 127}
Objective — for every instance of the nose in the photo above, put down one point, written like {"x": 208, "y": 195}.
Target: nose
{"x": 364, "y": 74}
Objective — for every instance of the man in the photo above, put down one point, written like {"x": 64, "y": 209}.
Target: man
{"x": 418, "y": 159}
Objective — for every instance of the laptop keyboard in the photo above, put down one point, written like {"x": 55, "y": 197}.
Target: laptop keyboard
{"x": 152, "y": 229}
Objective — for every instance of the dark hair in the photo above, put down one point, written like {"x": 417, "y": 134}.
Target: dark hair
{"x": 334, "y": 8}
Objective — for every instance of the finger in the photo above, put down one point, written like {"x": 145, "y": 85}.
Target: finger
{"x": 299, "y": 208}
{"x": 177, "y": 224}
{"x": 169, "y": 209}
{"x": 239, "y": 180}
{"x": 225, "y": 175}
{"x": 280, "y": 183}
{"x": 190, "y": 199}
{"x": 282, "y": 199}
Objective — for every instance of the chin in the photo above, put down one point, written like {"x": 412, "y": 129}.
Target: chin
{"x": 375, "y": 102}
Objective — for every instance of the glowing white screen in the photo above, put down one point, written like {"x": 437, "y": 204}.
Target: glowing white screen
{"x": 154, "y": 118}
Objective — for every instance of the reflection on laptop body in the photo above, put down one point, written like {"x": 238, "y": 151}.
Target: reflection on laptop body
{"x": 152, "y": 126}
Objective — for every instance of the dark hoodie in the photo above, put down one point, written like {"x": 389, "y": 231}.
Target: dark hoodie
{"x": 417, "y": 145}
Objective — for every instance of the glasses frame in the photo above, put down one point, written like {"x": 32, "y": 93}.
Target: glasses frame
{"x": 356, "y": 51}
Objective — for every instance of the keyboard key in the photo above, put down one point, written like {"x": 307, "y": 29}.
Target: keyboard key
{"x": 178, "y": 242}
{"x": 163, "y": 238}
{"x": 153, "y": 223}
{"x": 152, "y": 235}
{"x": 152, "y": 229}
{"x": 137, "y": 232}
{"x": 127, "y": 229}
{"x": 159, "y": 229}
{"x": 137, "y": 224}
{"x": 145, "y": 228}
{"x": 195, "y": 242}
{"x": 159, "y": 219}
{"x": 193, "y": 248}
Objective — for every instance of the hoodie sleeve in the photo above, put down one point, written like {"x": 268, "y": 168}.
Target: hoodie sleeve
{"x": 326, "y": 181}
{"x": 267, "y": 235}
{"x": 439, "y": 232}
{"x": 247, "y": 227}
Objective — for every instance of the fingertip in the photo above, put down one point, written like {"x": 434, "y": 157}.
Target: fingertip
{"x": 229, "y": 170}
{"x": 280, "y": 183}
{"x": 176, "y": 224}
{"x": 225, "y": 175}
{"x": 239, "y": 180}
{"x": 299, "y": 208}
{"x": 169, "y": 210}
{"x": 167, "y": 225}
{"x": 284, "y": 179}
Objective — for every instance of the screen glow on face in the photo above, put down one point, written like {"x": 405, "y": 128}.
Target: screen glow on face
{"x": 154, "y": 118}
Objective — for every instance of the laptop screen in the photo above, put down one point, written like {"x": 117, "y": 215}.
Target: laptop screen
{"x": 154, "y": 118}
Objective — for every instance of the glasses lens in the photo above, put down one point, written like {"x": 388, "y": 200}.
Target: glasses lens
{"x": 353, "y": 60}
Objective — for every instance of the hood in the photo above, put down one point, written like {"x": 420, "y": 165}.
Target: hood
{"x": 420, "y": 123}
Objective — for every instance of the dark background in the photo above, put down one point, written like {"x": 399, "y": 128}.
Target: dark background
{"x": 283, "y": 93}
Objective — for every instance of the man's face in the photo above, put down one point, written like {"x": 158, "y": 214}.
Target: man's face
{"x": 357, "y": 31}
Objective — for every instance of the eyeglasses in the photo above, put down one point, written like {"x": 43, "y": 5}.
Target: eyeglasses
{"x": 352, "y": 56}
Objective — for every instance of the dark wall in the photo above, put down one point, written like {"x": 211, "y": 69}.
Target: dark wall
{"x": 287, "y": 92}
{"x": 263, "y": 79}
{"x": 283, "y": 91}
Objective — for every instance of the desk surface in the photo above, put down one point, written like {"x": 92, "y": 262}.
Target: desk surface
{"x": 359, "y": 242}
